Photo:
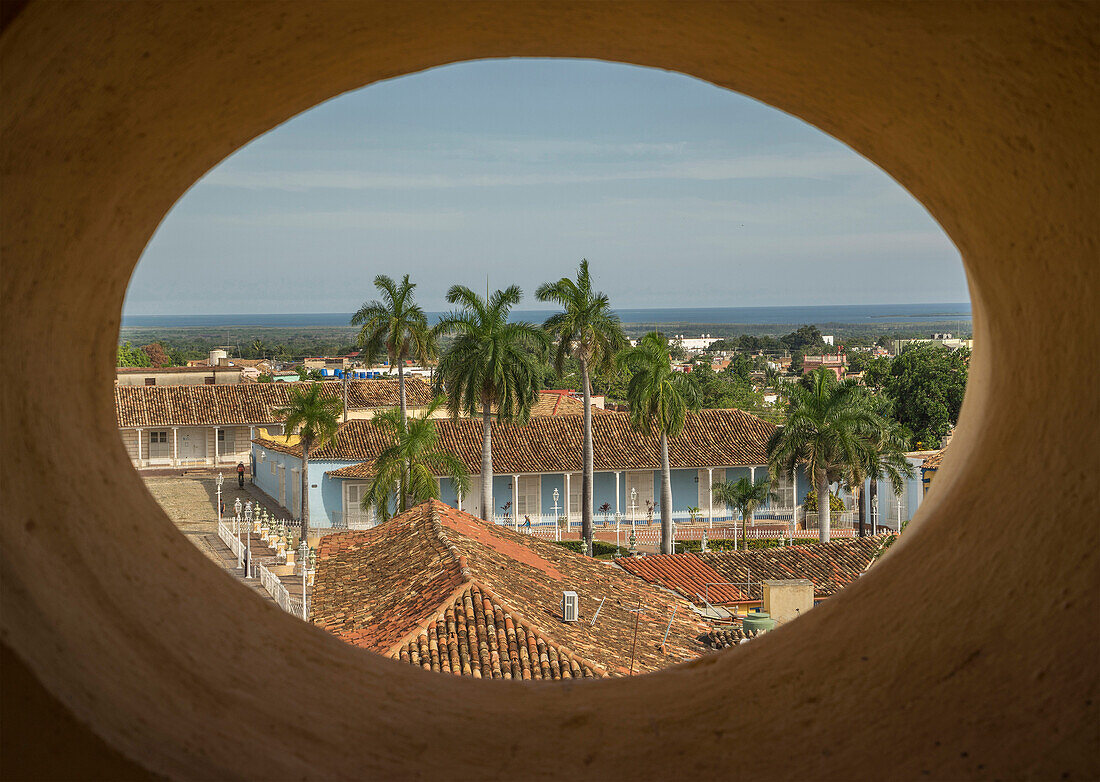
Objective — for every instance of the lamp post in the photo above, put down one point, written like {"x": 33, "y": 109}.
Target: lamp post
{"x": 237, "y": 531}
{"x": 248, "y": 526}
{"x": 633, "y": 508}
{"x": 219, "y": 480}
{"x": 557, "y": 528}
{"x": 303, "y": 554}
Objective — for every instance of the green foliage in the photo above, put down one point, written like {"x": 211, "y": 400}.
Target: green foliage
{"x": 836, "y": 504}
{"x": 659, "y": 398}
{"x": 797, "y": 361}
{"x": 805, "y": 339}
{"x": 490, "y": 362}
{"x": 404, "y": 472}
{"x": 726, "y": 544}
{"x": 129, "y": 356}
{"x": 721, "y": 390}
{"x": 394, "y": 326}
{"x": 587, "y": 331}
{"x": 314, "y": 417}
{"x": 876, "y": 371}
{"x": 926, "y": 383}
{"x": 265, "y": 378}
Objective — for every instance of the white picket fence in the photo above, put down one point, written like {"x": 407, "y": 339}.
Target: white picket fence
{"x": 225, "y": 534}
{"x": 278, "y": 591}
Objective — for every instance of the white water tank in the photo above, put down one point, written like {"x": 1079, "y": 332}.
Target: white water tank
{"x": 216, "y": 356}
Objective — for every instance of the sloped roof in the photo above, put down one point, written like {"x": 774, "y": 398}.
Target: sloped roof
{"x": 688, "y": 574}
{"x": 553, "y": 443}
{"x": 246, "y": 403}
{"x": 558, "y": 403}
{"x": 830, "y": 566}
{"x": 487, "y": 599}
{"x": 933, "y": 461}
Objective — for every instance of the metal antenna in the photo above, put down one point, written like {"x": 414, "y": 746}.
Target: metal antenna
{"x": 637, "y": 613}
{"x": 597, "y": 614}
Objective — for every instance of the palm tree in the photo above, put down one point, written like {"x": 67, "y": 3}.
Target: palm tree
{"x": 745, "y": 496}
{"x": 489, "y": 364}
{"x": 659, "y": 402}
{"x": 395, "y": 325}
{"x": 829, "y": 428}
{"x": 259, "y": 348}
{"x": 885, "y": 459}
{"x": 410, "y": 465}
{"x": 315, "y": 418}
{"x": 591, "y": 333}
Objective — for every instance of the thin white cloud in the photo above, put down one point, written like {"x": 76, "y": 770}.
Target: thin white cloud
{"x": 756, "y": 167}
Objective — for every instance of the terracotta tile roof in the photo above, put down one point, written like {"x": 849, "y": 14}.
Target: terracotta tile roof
{"x": 553, "y": 443}
{"x": 558, "y": 403}
{"x": 933, "y": 461}
{"x": 439, "y": 588}
{"x": 477, "y": 636}
{"x": 687, "y": 574}
{"x": 251, "y": 403}
{"x": 830, "y": 566}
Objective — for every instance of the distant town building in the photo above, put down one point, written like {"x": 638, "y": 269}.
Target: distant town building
{"x": 694, "y": 344}
{"x": 827, "y": 339}
{"x": 838, "y": 364}
{"x": 203, "y": 375}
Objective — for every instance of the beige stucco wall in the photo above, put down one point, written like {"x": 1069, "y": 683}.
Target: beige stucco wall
{"x": 135, "y": 654}
{"x": 787, "y": 600}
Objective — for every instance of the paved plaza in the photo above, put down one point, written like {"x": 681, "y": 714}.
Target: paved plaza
{"x": 191, "y": 503}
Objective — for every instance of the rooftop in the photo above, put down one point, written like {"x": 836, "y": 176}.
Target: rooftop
{"x": 252, "y": 403}
{"x": 553, "y": 443}
{"x": 439, "y": 588}
{"x": 830, "y": 566}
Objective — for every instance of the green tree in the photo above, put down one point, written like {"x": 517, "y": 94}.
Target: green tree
{"x": 396, "y": 326}
{"x": 129, "y": 356}
{"x": 315, "y": 418}
{"x": 745, "y": 496}
{"x": 927, "y": 382}
{"x": 740, "y": 367}
{"x": 876, "y": 371}
{"x": 827, "y": 430}
{"x": 405, "y": 472}
{"x": 797, "y": 357}
{"x": 884, "y": 459}
{"x": 490, "y": 363}
{"x": 805, "y": 338}
{"x": 659, "y": 402}
{"x": 259, "y": 349}
{"x": 589, "y": 332}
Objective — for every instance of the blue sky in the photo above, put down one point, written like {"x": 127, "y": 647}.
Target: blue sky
{"x": 679, "y": 194}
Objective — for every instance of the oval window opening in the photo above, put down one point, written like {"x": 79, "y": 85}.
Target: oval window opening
{"x": 781, "y": 322}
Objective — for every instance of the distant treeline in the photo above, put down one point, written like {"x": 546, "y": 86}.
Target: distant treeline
{"x": 294, "y": 343}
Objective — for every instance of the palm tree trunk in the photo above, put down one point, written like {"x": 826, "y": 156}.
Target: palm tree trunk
{"x": 588, "y": 473}
{"x": 486, "y": 462}
{"x": 305, "y": 489}
{"x": 824, "y": 512}
{"x": 862, "y": 510}
{"x": 666, "y": 498}
{"x": 406, "y": 500}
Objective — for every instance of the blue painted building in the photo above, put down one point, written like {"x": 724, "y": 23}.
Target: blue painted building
{"x": 537, "y": 470}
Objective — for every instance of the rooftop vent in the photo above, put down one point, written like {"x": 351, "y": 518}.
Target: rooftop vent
{"x": 569, "y": 606}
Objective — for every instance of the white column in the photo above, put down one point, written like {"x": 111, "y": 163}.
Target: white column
{"x": 215, "y": 446}
{"x": 139, "y": 447}
{"x": 515, "y": 503}
{"x": 566, "y": 499}
{"x": 710, "y": 496}
{"x": 617, "y": 474}
{"x": 458, "y": 495}
{"x": 752, "y": 477}
{"x": 175, "y": 446}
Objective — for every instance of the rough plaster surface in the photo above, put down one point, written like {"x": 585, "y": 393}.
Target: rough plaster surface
{"x": 986, "y": 113}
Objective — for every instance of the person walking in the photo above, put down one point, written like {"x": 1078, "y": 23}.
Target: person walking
{"x": 240, "y": 474}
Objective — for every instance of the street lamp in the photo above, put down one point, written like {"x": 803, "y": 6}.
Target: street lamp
{"x": 237, "y": 525}
{"x": 248, "y": 526}
{"x": 633, "y": 507}
{"x": 219, "y": 480}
